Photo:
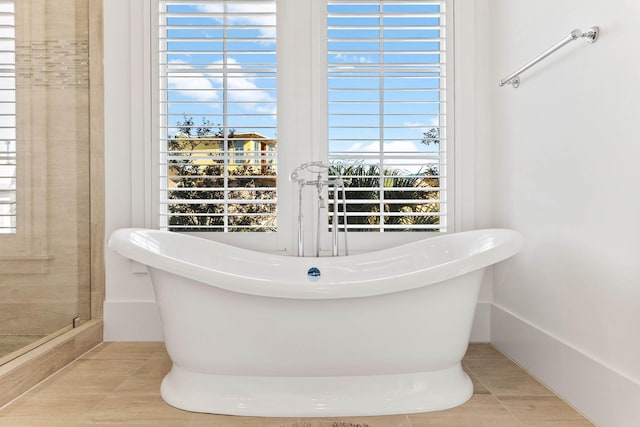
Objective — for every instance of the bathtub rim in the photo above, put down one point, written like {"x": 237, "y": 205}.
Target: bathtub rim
{"x": 137, "y": 244}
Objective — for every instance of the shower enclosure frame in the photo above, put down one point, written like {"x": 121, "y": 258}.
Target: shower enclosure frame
{"x": 25, "y": 371}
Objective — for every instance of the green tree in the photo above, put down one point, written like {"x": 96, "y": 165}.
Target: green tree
{"x": 418, "y": 195}
{"x": 197, "y": 176}
{"x": 432, "y": 136}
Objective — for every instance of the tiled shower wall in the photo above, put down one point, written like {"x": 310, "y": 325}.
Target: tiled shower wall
{"x": 53, "y": 63}
{"x": 43, "y": 291}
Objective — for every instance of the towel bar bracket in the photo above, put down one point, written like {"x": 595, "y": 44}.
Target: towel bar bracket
{"x": 515, "y": 82}
{"x": 591, "y": 35}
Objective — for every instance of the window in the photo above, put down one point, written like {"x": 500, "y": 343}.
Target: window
{"x": 249, "y": 89}
{"x": 218, "y": 115}
{"x": 387, "y": 112}
{"x": 7, "y": 118}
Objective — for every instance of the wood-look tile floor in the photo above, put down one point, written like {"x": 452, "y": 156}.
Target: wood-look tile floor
{"x": 119, "y": 384}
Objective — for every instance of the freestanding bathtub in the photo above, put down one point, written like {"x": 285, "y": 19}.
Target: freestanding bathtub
{"x": 268, "y": 335}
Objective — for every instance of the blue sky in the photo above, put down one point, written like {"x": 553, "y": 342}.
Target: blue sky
{"x": 410, "y": 81}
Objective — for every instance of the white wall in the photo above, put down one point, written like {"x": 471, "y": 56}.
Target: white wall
{"x": 565, "y": 174}
{"x": 129, "y": 311}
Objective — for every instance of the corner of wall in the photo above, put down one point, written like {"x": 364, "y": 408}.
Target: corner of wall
{"x": 481, "y": 330}
{"x": 603, "y": 395}
{"x": 132, "y": 321}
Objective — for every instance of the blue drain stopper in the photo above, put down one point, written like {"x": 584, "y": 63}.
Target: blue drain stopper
{"x": 313, "y": 273}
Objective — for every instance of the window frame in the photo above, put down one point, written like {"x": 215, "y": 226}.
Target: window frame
{"x": 303, "y": 100}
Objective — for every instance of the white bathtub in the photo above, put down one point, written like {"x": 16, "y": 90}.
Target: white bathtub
{"x": 380, "y": 333}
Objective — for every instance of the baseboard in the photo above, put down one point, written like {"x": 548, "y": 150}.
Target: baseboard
{"x": 132, "y": 321}
{"x": 24, "y": 372}
{"x": 602, "y": 394}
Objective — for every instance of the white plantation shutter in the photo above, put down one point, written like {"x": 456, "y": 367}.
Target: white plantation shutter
{"x": 7, "y": 118}
{"x": 387, "y": 112}
{"x": 218, "y": 115}
{"x": 389, "y": 96}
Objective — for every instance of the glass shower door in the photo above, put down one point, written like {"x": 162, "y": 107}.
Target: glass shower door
{"x": 44, "y": 171}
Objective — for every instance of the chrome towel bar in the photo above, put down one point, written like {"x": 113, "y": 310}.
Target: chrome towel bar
{"x": 590, "y": 35}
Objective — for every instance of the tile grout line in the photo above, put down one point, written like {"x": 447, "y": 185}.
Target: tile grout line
{"x": 87, "y": 417}
{"x": 514, "y": 416}
{"x": 492, "y": 393}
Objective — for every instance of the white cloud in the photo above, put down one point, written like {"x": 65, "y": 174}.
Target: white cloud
{"x": 239, "y": 7}
{"x": 260, "y": 15}
{"x": 211, "y": 8}
{"x": 242, "y": 88}
{"x": 206, "y": 85}
{"x": 195, "y": 85}
{"x": 389, "y": 146}
{"x": 403, "y": 149}
{"x": 352, "y": 59}
{"x": 432, "y": 122}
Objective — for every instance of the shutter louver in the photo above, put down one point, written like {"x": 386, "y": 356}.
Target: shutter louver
{"x": 7, "y": 118}
{"x": 218, "y": 115}
{"x": 387, "y": 106}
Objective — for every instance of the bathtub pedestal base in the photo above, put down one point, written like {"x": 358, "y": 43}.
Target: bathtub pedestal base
{"x": 317, "y": 396}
